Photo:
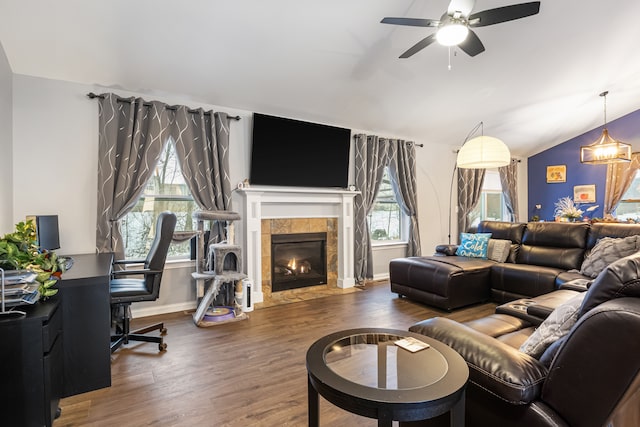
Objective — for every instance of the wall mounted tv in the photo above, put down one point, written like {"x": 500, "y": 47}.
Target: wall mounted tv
{"x": 288, "y": 152}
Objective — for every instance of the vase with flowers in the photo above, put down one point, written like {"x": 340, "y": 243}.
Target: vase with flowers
{"x": 567, "y": 210}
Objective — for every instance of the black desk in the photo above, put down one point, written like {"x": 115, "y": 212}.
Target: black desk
{"x": 61, "y": 347}
{"x": 31, "y": 365}
{"x": 86, "y": 322}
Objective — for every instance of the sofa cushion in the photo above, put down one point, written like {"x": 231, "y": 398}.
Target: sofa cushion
{"x": 542, "y": 306}
{"x": 553, "y": 244}
{"x": 515, "y": 281}
{"x": 447, "y": 282}
{"x": 473, "y": 245}
{"x": 556, "y": 234}
{"x": 516, "y": 338}
{"x": 493, "y": 365}
{"x": 554, "y": 327}
{"x": 620, "y": 279}
{"x": 498, "y": 249}
{"x": 497, "y": 324}
{"x": 599, "y": 230}
{"x": 503, "y": 230}
{"x": 606, "y": 251}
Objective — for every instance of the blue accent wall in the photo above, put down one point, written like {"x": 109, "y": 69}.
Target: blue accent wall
{"x": 625, "y": 129}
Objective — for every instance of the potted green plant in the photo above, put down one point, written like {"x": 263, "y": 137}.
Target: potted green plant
{"x": 19, "y": 251}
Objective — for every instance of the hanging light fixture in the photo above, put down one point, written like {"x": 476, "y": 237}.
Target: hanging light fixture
{"x": 483, "y": 152}
{"x": 606, "y": 149}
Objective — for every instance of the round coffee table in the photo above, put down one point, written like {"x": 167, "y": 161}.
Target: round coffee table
{"x": 364, "y": 372}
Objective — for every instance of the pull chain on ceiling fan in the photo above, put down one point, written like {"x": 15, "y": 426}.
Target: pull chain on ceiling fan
{"x": 454, "y": 26}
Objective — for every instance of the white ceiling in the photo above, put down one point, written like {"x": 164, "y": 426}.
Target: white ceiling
{"x": 332, "y": 61}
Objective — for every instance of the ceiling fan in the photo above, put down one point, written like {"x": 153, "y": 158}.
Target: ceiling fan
{"x": 454, "y": 26}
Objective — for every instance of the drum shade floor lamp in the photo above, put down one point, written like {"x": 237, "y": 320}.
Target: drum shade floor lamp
{"x": 481, "y": 152}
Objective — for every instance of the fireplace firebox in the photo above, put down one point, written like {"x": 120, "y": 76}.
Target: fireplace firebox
{"x": 298, "y": 260}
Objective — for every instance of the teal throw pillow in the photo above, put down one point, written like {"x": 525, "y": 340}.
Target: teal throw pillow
{"x": 473, "y": 245}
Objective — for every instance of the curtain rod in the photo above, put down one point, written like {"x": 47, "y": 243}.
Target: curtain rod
{"x": 414, "y": 143}
{"x": 92, "y": 95}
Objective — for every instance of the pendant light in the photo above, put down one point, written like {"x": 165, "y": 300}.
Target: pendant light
{"x": 606, "y": 149}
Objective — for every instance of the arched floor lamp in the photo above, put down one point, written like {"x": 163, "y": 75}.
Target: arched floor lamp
{"x": 481, "y": 152}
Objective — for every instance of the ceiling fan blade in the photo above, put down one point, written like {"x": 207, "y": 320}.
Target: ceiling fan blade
{"x": 463, "y": 6}
{"x": 419, "y": 46}
{"x": 472, "y": 44}
{"x": 413, "y": 22}
{"x": 503, "y": 14}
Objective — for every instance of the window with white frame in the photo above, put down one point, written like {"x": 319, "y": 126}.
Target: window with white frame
{"x": 491, "y": 205}
{"x": 166, "y": 190}
{"x": 387, "y": 221}
{"x": 629, "y": 207}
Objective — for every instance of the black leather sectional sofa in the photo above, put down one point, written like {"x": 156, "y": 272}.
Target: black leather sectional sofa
{"x": 543, "y": 256}
{"x": 589, "y": 375}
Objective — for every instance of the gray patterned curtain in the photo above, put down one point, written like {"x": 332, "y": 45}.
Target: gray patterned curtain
{"x": 403, "y": 179}
{"x": 619, "y": 179}
{"x": 469, "y": 191}
{"x": 131, "y": 137}
{"x": 202, "y": 147}
{"x": 371, "y": 157}
{"x": 509, "y": 181}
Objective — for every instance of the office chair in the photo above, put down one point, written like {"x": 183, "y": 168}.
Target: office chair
{"x": 125, "y": 290}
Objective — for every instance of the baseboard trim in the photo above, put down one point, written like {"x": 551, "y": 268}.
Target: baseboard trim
{"x": 381, "y": 276}
{"x": 162, "y": 309}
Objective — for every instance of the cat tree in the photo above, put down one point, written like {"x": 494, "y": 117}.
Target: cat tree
{"x": 222, "y": 268}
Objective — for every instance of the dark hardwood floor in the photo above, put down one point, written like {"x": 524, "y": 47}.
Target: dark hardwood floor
{"x": 247, "y": 373}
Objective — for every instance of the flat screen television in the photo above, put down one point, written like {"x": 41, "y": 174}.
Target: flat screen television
{"x": 287, "y": 152}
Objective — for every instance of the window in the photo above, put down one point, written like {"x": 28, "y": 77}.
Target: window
{"x": 491, "y": 205}
{"x": 166, "y": 190}
{"x": 386, "y": 220}
{"x": 629, "y": 206}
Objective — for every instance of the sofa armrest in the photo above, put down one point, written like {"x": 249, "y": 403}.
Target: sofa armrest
{"x": 449, "y": 250}
{"x": 493, "y": 365}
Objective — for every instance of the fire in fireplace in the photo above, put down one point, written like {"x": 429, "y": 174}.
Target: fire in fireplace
{"x": 298, "y": 260}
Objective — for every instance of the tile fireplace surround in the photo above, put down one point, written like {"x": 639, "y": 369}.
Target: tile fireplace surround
{"x": 291, "y": 210}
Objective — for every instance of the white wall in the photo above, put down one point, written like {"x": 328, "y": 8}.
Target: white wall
{"x": 55, "y": 144}
{"x": 6, "y": 145}
{"x": 55, "y": 158}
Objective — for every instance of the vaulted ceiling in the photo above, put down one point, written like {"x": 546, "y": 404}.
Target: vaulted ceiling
{"x": 333, "y": 62}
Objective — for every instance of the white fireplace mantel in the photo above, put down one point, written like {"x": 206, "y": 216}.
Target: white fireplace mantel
{"x": 260, "y": 203}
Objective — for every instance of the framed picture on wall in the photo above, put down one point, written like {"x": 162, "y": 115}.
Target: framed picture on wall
{"x": 584, "y": 193}
{"x": 557, "y": 173}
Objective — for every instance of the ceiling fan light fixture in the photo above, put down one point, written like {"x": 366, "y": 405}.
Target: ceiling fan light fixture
{"x": 452, "y": 34}
{"x": 483, "y": 152}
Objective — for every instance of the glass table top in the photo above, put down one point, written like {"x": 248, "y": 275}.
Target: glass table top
{"x": 374, "y": 360}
